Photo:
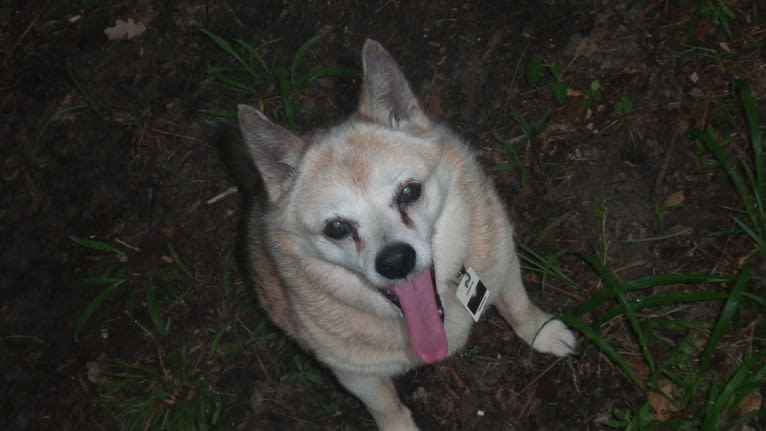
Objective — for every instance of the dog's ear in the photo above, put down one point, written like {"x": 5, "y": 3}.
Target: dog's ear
{"x": 275, "y": 150}
{"x": 386, "y": 96}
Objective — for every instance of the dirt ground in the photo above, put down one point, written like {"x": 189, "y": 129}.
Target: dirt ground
{"x": 112, "y": 140}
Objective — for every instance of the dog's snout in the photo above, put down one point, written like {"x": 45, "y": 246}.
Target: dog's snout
{"x": 395, "y": 261}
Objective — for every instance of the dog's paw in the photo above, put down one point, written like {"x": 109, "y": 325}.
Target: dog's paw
{"x": 554, "y": 337}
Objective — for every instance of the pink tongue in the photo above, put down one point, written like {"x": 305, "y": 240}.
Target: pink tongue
{"x": 417, "y": 298}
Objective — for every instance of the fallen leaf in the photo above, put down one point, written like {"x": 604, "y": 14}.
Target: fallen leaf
{"x": 675, "y": 199}
{"x": 694, "y": 77}
{"x": 579, "y": 45}
{"x": 661, "y": 401}
{"x": 97, "y": 371}
{"x": 571, "y": 92}
{"x": 752, "y": 402}
{"x": 125, "y": 29}
{"x": 640, "y": 368}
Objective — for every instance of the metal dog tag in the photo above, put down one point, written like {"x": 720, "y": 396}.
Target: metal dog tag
{"x": 472, "y": 293}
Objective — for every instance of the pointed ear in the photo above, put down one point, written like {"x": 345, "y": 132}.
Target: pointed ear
{"x": 275, "y": 150}
{"x": 386, "y": 96}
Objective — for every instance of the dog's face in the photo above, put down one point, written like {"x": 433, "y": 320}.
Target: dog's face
{"x": 367, "y": 198}
{"x": 365, "y": 195}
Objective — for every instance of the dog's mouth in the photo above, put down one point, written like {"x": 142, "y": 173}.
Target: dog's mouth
{"x": 423, "y": 312}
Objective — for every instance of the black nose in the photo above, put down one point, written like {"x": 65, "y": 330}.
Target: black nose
{"x": 395, "y": 261}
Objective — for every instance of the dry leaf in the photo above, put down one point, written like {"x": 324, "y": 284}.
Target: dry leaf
{"x": 752, "y": 402}
{"x": 640, "y": 368}
{"x": 579, "y": 45}
{"x": 571, "y": 92}
{"x": 97, "y": 371}
{"x": 661, "y": 402}
{"x": 675, "y": 199}
{"x": 694, "y": 77}
{"x": 125, "y": 29}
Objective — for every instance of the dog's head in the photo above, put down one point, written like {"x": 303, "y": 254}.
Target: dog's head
{"x": 365, "y": 195}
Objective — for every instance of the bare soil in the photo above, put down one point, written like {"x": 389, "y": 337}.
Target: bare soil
{"x": 109, "y": 140}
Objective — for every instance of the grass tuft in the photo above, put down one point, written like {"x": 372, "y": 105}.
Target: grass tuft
{"x": 171, "y": 394}
{"x": 253, "y": 76}
{"x": 748, "y": 178}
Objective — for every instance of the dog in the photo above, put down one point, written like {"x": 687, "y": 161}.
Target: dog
{"x": 370, "y": 234}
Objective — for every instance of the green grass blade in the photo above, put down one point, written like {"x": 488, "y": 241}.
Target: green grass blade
{"x": 730, "y": 308}
{"x": 757, "y": 192}
{"x": 659, "y": 300}
{"x": 223, "y": 113}
{"x": 550, "y": 227}
{"x": 226, "y": 276}
{"x": 92, "y": 307}
{"x": 76, "y": 82}
{"x": 645, "y": 283}
{"x": 178, "y": 262}
{"x": 668, "y": 279}
{"x": 247, "y": 65}
{"x": 48, "y": 121}
{"x": 298, "y": 57}
{"x": 758, "y": 213}
{"x": 96, "y": 245}
{"x": 154, "y": 309}
{"x": 217, "y": 340}
{"x": 711, "y": 143}
{"x": 679, "y": 325}
{"x": 253, "y": 55}
{"x": 737, "y": 387}
{"x": 275, "y": 64}
{"x": 534, "y": 71}
{"x": 592, "y": 303}
{"x": 748, "y": 105}
{"x": 235, "y": 79}
{"x": 610, "y": 279}
{"x": 542, "y": 122}
{"x": 547, "y": 266}
{"x": 104, "y": 279}
{"x": 605, "y": 347}
{"x": 523, "y": 123}
{"x": 224, "y": 45}
{"x": 755, "y": 298}
{"x": 285, "y": 90}
{"x": 556, "y": 68}
{"x": 758, "y": 239}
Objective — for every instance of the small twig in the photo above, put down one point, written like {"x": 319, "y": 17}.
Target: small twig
{"x": 230, "y": 191}
{"x": 666, "y": 162}
{"x": 24, "y": 34}
{"x": 126, "y": 245}
{"x": 539, "y": 376}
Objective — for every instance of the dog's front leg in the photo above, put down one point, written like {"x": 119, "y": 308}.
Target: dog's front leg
{"x": 379, "y": 395}
{"x": 533, "y": 325}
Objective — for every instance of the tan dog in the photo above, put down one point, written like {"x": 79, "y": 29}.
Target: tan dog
{"x": 375, "y": 231}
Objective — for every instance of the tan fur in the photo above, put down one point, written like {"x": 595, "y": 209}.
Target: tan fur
{"x": 325, "y": 291}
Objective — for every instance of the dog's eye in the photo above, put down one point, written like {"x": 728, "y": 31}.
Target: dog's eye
{"x": 408, "y": 194}
{"x": 337, "y": 229}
